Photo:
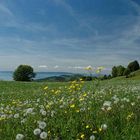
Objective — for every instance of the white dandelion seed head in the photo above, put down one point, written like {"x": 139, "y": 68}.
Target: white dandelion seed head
{"x": 37, "y": 131}
{"x": 43, "y": 135}
{"x": 103, "y": 126}
{"x": 44, "y": 113}
{"x": 19, "y": 137}
{"x": 16, "y": 116}
{"x": 92, "y": 137}
{"x": 42, "y": 125}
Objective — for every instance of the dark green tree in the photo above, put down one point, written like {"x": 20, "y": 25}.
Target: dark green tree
{"x": 133, "y": 66}
{"x": 120, "y": 70}
{"x": 24, "y": 73}
{"x": 127, "y": 72}
{"x": 114, "y": 71}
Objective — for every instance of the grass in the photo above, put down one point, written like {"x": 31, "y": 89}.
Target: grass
{"x": 107, "y": 110}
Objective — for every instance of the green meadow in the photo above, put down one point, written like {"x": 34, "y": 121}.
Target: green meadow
{"x": 78, "y": 110}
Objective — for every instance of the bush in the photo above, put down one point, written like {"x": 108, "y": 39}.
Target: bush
{"x": 133, "y": 66}
{"x": 126, "y": 72}
{"x": 24, "y": 73}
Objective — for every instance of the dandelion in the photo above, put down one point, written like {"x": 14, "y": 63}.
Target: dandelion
{"x": 43, "y": 112}
{"x": 82, "y": 136}
{"x": 42, "y": 125}
{"x": 16, "y": 116}
{"x": 43, "y": 135}
{"x": 72, "y": 106}
{"x": 87, "y": 126}
{"x": 19, "y": 137}
{"x": 29, "y": 111}
{"x": 37, "y": 131}
{"x": 89, "y": 68}
{"x": 104, "y": 127}
{"x": 45, "y": 88}
{"x": 92, "y": 137}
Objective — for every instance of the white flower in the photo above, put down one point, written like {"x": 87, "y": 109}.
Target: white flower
{"x": 104, "y": 127}
{"x": 44, "y": 113}
{"x": 37, "y": 131}
{"x": 16, "y": 116}
{"x": 43, "y": 135}
{"x": 19, "y": 137}
{"x": 42, "y": 125}
{"x": 92, "y": 137}
{"x": 23, "y": 120}
{"x": 107, "y": 103}
{"x": 29, "y": 110}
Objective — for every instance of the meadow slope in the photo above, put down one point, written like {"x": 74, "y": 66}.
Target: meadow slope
{"x": 107, "y": 110}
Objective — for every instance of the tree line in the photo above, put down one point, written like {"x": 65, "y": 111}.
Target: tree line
{"x": 125, "y": 71}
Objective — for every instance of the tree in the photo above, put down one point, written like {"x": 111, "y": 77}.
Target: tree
{"x": 114, "y": 71}
{"x": 133, "y": 66}
{"x": 120, "y": 70}
{"x": 24, "y": 73}
{"x": 126, "y": 72}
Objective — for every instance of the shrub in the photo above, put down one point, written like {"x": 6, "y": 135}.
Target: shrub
{"x": 24, "y": 73}
{"x": 133, "y": 66}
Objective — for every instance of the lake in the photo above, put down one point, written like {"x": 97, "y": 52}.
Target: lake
{"x": 8, "y": 75}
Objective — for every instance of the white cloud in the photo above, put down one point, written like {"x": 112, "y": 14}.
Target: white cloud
{"x": 43, "y": 66}
{"x": 5, "y": 10}
{"x": 56, "y": 67}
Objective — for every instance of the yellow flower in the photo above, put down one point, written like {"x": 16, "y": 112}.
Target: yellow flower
{"x": 100, "y": 129}
{"x": 45, "y": 88}
{"x": 94, "y": 131}
{"x": 84, "y": 94}
{"x": 82, "y": 136}
{"x": 130, "y": 116}
{"x": 89, "y": 68}
{"x": 72, "y": 106}
{"x": 87, "y": 126}
{"x": 77, "y": 110}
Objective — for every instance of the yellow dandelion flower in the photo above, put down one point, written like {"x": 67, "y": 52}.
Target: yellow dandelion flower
{"x": 82, "y": 136}
{"x": 45, "y": 88}
{"x": 94, "y": 132}
{"x": 89, "y": 68}
{"x": 87, "y": 126}
{"x": 72, "y": 106}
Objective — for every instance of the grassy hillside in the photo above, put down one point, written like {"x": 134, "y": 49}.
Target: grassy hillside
{"x": 136, "y": 75}
{"x": 105, "y": 110}
{"x": 133, "y": 76}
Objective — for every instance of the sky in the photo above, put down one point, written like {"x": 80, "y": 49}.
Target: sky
{"x": 68, "y": 35}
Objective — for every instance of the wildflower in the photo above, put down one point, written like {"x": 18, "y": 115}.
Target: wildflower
{"x": 29, "y": 111}
{"x": 130, "y": 116}
{"x": 37, "y": 131}
{"x": 92, "y": 137}
{"x": 19, "y": 137}
{"x": 44, "y": 113}
{"x": 107, "y": 103}
{"x": 89, "y": 68}
{"x": 82, "y": 136}
{"x": 104, "y": 127}
{"x": 45, "y": 88}
{"x": 43, "y": 135}
{"x": 16, "y": 116}
{"x": 72, "y": 106}
{"x": 23, "y": 121}
{"x": 87, "y": 126}
{"x": 42, "y": 125}
{"x": 99, "y": 69}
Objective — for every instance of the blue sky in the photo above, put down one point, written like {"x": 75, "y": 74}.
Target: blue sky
{"x": 67, "y": 35}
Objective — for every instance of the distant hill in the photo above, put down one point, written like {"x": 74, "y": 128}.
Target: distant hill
{"x": 61, "y": 78}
